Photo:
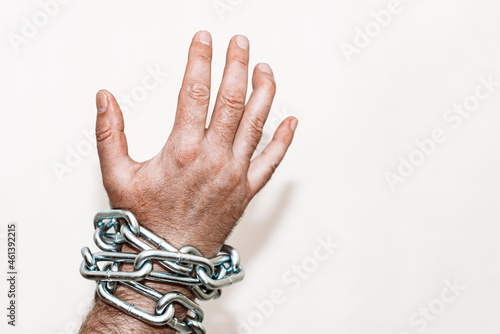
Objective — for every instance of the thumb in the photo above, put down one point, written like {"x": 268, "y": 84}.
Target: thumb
{"x": 111, "y": 141}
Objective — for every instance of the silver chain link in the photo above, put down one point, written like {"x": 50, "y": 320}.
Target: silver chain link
{"x": 204, "y": 277}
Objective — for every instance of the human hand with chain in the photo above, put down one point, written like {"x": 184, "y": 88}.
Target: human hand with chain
{"x": 197, "y": 187}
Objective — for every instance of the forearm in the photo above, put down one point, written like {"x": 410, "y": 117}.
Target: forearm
{"x": 105, "y": 319}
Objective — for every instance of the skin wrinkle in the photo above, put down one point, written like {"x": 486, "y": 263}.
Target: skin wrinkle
{"x": 196, "y": 189}
{"x": 196, "y": 93}
{"x": 103, "y": 135}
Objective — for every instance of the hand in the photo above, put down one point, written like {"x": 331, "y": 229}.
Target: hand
{"x": 198, "y": 186}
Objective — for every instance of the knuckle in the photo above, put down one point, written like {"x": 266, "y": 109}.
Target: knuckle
{"x": 285, "y": 140}
{"x": 186, "y": 154}
{"x": 273, "y": 168}
{"x": 273, "y": 165}
{"x": 268, "y": 85}
{"x": 256, "y": 125}
{"x": 104, "y": 134}
{"x": 229, "y": 175}
{"x": 240, "y": 59}
{"x": 204, "y": 55}
{"x": 231, "y": 178}
{"x": 255, "y": 129}
{"x": 197, "y": 91}
{"x": 232, "y": 99}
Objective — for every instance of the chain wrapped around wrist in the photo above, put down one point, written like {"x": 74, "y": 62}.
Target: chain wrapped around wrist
{"x": 186, "y": 266}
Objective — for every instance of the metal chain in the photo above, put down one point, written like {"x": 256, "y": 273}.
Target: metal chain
{"x": 204, "y": 277}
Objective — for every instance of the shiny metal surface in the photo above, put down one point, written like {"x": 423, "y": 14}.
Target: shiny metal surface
{"x": 186, "y": 266}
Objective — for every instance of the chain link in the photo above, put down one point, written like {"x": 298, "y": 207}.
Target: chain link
{"x": 187, "y": 266}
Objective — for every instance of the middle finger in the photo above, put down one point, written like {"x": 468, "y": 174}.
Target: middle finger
{"x": 230, "y": 102}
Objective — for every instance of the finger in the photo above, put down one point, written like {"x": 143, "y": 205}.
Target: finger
{"x": 230, "y": 102}
{"x": 263, "y": 166}
{"x": 257, "y": 109}
{"x": 194, "y": 96}
{"x": 111, "y": 141}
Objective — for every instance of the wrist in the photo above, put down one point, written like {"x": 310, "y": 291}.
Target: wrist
{"x": 179, "y": 231}
{"x": 148, "y": 299}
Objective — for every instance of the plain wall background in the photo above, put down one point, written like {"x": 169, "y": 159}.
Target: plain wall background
{"x": 395, "y": 248}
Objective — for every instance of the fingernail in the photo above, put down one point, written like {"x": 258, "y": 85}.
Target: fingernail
{"x": 293, "y": 124}
{"x": 205, "y": 38}
{"x": 102, "y": 102}
{"x": 265, "y": 68}
{"x": 242, "y": 42}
